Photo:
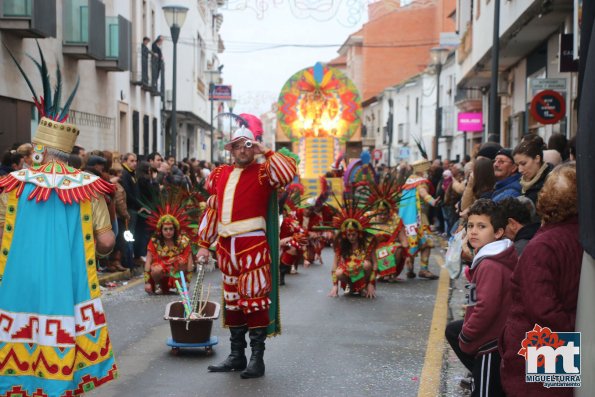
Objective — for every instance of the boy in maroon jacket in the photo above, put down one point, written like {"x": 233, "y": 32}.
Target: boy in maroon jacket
{"x": 488, "y": 298}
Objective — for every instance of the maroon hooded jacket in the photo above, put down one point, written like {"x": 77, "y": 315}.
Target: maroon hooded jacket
{"x": 545, "y": 292}
{"x": 488, "y": 297}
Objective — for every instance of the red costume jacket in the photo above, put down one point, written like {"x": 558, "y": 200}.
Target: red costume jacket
{"x": 239, "y": 197}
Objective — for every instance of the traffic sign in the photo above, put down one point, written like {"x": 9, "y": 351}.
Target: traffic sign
{"x": 548, "y": 107}
{"x": 377, "y": 154}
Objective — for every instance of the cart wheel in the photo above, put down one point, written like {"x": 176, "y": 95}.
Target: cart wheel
{"x": 175, "y": 351}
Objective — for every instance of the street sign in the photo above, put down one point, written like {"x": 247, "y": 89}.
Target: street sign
{"x": 548, "y": 107}
{"x": 538, "y": 85}
{"x": 377, "y": 154}
{"x": 220, "y": 93}
{"x": 404, "y": 153}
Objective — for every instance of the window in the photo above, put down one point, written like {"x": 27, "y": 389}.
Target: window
{"x": 135, "y": 132}
{"x": 146, "y": 134}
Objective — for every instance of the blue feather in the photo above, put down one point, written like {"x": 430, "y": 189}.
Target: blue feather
{"x": 318, "y": 72}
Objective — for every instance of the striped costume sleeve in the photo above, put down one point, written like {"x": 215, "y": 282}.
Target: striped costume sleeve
{"x": 207, "y": 228}
{"x": 279, "y": 169}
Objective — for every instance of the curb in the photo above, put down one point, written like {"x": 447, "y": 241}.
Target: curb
{"x": 116, "y": 276}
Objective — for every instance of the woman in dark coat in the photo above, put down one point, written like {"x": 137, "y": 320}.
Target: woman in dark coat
{"x": 545, "y": 281}
{"x": 528, "y": 156}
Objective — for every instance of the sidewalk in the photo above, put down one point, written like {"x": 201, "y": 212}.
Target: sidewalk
{"x": 452, "y": 369}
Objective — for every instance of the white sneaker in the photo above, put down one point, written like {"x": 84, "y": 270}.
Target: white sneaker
{"x": 293, "y": 270}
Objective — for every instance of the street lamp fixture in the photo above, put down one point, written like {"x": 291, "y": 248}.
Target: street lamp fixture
{"x": 439, "y": 55}
{"x": 175, "y": 17}
{"x": 231, "y": 104}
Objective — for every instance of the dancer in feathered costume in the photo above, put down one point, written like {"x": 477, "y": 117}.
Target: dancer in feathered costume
{"x": 392, "y": 249}
{"x": 169, "y": 250}
{"x": 291, "y": 234}
{"x": 54, "y": 339}
{"x": 354, "y": 264}
{"x": 413, "y": 208}
{"x": 236, "y": 216}
{"x": 310, "y": 216}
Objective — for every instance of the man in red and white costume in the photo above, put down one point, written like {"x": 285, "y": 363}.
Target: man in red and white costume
{"x": 236, "y": 214}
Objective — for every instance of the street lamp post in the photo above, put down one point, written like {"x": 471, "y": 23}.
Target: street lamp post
{"x": 389, "y": 129}
{"x": 175, "y": 16}
{"x": 439, "y": 55}
{"x": 494, "y": 116}
{"x": 231, "y": 104}
{"x": 212, "y": 74}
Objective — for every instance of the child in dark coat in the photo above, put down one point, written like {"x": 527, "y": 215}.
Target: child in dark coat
{"x": 488, "y": 297}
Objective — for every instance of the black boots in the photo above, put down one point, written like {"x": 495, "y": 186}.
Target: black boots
{"x": 236, "y": 361}
{"x": 255, "y": 367}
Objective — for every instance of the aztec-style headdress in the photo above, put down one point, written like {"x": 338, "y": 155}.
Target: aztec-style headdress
{"x": 383, "y": 195}
{"x": 351, "y": 214}
{"x": 291, "y": 197}
{"x": 173, "y": 206}
{"x": 52, "y": 131}
{"x": 169, "y": 214}
{"x": 423, "y": 164}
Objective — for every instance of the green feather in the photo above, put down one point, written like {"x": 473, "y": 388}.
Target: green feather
{"x": 422, "y": 150}
{"x": 45, "y": 79}
{"x": 288, "y": 153}
{"x": 66, "y": 107}
{"x": 22, "y": 72}
{"x": 57, "y": 91}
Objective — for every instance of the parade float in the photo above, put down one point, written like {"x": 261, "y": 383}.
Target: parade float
{"x": 319, "y": 109}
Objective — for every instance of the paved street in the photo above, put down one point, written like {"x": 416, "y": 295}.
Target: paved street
{"x": 329, "y": 347}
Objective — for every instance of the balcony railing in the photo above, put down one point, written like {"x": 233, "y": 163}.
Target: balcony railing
{"x": 28, "y": 18}
{"x": 84, "y": 29}
{"x": 117, "y": 44}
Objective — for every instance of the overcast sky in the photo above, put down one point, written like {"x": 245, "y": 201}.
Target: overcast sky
{"x": 251, "y": 28}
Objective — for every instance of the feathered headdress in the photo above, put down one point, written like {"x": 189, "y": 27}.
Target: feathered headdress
{"x": 351, "y": 214}
{"x": 421, "y": 165}
{"x": 382, "y": 195}
{"x": 168, "y": 207}
{"x": 52, "y": 130}
{"x": 291, "y": 198}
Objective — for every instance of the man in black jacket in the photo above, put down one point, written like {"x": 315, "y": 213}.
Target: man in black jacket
{"x": 130, "y": 185}
{"x": 521, "y": 227}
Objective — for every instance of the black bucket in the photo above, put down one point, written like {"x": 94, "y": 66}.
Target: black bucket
{"x": 191, "y": 330}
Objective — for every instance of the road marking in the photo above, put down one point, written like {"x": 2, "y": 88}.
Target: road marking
{"x": 429, "y": 381}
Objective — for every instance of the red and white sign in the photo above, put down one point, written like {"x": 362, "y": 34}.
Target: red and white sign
{"x": 377, "y": 154}
{"x": 548, "y": 107}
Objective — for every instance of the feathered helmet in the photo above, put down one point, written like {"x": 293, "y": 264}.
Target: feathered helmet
{"x": 250, "y": 128}
{"x": 169, "y": 207}
{"x": 351, "y": 214}
{"x": 291, "y": 197}
{"x": 52, "y": 130}
{"x": 384, "y": 195}
{"x": 169, "y": 214}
